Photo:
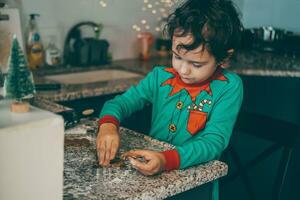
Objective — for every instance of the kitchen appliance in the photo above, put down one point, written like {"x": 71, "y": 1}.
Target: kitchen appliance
{"x": 268, "y": 38}
{"x": 85, "y": 51}
{"x": 264, "y": 38}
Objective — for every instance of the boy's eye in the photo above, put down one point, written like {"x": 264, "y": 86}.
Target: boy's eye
{"x": 197, "y": 65}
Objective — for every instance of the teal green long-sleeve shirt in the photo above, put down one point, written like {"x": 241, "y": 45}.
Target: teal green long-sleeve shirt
{"x": 197, "y": 119}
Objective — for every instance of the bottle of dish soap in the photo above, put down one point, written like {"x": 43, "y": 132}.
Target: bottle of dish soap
{"x": 35, "y": 50}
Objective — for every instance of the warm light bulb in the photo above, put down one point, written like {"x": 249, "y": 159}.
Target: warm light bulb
{"x": 102, "y": 3}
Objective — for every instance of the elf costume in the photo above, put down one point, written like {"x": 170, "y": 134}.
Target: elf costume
{"x": 197, "y": 118}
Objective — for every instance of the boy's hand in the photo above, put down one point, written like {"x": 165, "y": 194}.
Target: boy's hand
{"x": 154, "y": 162}
{"x": 108, "y": 142}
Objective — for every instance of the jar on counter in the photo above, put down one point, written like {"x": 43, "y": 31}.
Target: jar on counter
{"x": 53, "y": 55}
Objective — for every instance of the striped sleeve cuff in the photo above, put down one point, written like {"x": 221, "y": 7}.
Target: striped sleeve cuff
{"x": 172, "y": 159}
{"x": 109, "y": 119}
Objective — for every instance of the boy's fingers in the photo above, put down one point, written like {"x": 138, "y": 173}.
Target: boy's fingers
{"x": 101, "y": 152}
{"x": 144, "y": 153}
{"x": 140, "y": 165}
{"x": 107, "y": 152}
{"x": 113, "y": 151}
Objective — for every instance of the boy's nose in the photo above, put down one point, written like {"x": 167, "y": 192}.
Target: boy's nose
{"x": 184, "y": 69}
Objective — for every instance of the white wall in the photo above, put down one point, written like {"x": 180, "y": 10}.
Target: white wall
{"x": 278, "y": 13}
{"x": 57, "y": 16}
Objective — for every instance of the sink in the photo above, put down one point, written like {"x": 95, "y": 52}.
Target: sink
{"x": 92, "y": 76}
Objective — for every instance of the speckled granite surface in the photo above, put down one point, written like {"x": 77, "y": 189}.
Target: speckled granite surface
{"x": 85, "y": 179}
{"x": 49, "y": 105}
{"x": 266, "y": 61}
{"x": 248, "y": 63}
{"x": 266, "y": 64}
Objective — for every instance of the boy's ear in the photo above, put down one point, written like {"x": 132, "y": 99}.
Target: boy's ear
{"x": 224, "y": 63}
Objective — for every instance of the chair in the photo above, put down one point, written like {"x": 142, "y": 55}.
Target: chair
{"x": 283, "y": 134}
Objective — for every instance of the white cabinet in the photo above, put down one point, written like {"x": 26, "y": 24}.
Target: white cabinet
{"x": 31, "y": 154}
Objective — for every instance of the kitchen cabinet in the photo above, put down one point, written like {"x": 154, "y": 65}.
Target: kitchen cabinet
{"x": 139, "y": 121}
{"x": 277, "y": 97}
{"x": 31, "y": 154}
{"x": 263, "y": 155}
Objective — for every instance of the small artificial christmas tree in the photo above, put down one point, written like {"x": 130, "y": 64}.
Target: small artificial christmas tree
{"x": 1, "y": 78}
{"x": 1, "y": 83}
{"x": 19, "y": 82}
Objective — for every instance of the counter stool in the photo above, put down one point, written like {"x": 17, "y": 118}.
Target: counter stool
{"x": 283, "y": 134}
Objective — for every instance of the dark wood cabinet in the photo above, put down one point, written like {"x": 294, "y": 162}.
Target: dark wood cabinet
{"x": 263, "y": 154}
{"x": 139, "y": 121}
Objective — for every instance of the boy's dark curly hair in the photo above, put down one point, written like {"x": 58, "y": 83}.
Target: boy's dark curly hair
{"x": 213, "y": 23}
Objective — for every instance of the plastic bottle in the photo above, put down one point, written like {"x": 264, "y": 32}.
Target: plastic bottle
{"x": 53, "y": 56}
{"x": 35, "y": 49}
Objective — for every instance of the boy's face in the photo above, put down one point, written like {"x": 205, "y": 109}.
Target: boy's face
{"x": 193, "y": 66}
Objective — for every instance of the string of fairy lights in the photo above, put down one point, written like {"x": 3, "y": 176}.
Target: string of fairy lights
{"x": 159, "y": 9}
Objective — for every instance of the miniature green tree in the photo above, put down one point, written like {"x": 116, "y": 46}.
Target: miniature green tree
{"x": 19, "y": 82}
{"x": 1, "y": 83}
{"x": 1, "y": 78}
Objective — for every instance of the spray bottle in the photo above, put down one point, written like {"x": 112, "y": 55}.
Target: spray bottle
{"x": 35, "y": 50}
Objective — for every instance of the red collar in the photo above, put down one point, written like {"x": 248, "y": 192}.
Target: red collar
{"x": 192, "y": 89}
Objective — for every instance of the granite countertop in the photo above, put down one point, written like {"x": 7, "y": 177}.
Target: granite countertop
{"x": 85, "y": 179}
{"x": 245, "y": 63}
{"x": 260, "y": 63}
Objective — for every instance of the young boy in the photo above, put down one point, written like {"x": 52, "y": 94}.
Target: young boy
{"x": 195, "y": 103}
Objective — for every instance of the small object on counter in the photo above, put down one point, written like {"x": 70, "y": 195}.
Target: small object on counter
{"x": 53, "y": 55}
{"x": 163, "y": 47}
{"x": 116, "y": 162}
{"x": 124, "y": 158}
{"x": 19, "y": 107}
{"x": 19, "y": 82}
{"x": 87, "y": 112}
{"x": 163, "y": 53}
{"x": 86, "y": 51}
{"x": 146, "y": 40}
{"x": 35, "y": 49}
{"x": 1, "y": 77}
{"x": 1, "y": 83}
